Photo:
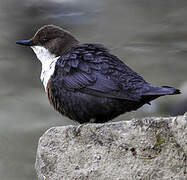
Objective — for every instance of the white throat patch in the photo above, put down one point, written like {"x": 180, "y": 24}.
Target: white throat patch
{"x": 48, "y": 61}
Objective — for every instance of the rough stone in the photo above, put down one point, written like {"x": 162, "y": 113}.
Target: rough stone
{"x": 149, "y": 148}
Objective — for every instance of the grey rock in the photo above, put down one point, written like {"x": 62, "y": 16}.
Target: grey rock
{"x": 150, "y": 148}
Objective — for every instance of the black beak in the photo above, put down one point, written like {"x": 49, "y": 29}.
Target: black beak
{"x": 24, "y": 42}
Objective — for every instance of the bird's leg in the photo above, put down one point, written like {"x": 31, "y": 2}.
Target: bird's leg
{"x": 92, "y": 120}
{"x": 78, "y": 128}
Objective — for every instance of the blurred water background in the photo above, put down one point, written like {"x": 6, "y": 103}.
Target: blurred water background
{"x": 149, "y": 35}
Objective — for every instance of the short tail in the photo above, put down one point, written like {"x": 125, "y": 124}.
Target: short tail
{"x": 171, "y": 90}
{"x": 161, "y": 91}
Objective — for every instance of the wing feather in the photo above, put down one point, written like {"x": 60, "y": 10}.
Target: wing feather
{"x": 91, "y": 69}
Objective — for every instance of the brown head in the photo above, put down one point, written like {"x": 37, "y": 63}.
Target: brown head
{"x": 53, "y": 38}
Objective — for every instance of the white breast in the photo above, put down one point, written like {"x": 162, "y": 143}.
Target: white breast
{"x": 48, "y": 61}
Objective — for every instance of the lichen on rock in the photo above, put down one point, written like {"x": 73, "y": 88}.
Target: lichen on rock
{"x": 149, "y": 148}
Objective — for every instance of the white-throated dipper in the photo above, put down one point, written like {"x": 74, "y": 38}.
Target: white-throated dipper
{"x": 85, "y": 82}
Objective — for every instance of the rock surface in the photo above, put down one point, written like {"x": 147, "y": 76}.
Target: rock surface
{"x": 150, "y": 148}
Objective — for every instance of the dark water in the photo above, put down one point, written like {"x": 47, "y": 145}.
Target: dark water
{"x": 149, "y": 35}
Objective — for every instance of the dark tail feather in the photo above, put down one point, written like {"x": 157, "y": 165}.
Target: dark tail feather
{"x": 161, "y": 91}
{"x": 156, "y": 91}
{"x": 172, "y": 91}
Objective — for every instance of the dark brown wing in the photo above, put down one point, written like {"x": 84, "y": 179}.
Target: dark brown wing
{"x": 91, "y": 69}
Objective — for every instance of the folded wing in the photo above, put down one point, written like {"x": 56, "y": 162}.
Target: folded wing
{"x": 91, "y": 69}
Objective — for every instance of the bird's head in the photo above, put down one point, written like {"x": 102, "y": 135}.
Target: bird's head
{"x": 50, "y": 41}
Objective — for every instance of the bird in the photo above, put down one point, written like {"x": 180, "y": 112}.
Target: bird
{"x": 85, "y": 81}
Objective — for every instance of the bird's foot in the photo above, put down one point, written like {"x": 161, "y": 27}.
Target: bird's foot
{"x": 77, "y": 130}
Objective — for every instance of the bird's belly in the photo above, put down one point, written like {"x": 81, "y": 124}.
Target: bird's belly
{"x": 84, "y": 108}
